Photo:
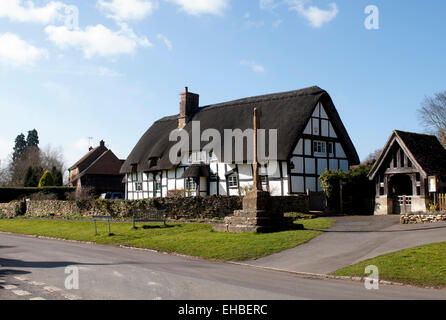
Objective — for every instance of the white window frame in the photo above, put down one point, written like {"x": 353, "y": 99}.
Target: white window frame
{"x": 233, "y": 181}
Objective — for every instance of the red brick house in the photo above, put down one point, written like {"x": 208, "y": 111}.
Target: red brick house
{"x": 99, "y": 169}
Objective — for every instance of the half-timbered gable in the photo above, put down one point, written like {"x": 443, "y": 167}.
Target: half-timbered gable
{"x": 310, "y": 138}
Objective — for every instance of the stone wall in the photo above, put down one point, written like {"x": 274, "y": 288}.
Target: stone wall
{"x": 8, "y": 209}
{"x": 176, "y": 208}
{"x": 422, "y": 218}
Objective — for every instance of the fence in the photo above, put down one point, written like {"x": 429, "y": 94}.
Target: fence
{"x": 441, "y": 201}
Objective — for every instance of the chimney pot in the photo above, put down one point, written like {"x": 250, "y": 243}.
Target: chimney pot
{"x": 102, "y": 143}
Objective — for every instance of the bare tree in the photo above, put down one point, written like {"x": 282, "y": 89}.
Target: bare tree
{"x": 5, "y": 176}
{"x": 372, "y": 157}
{"x": 433, "y": 115}
{"x": 52, "y": 157}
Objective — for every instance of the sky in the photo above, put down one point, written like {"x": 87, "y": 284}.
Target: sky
{"x": 108, "y": 69}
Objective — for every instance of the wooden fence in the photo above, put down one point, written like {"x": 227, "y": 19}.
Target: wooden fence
{"x": 441, "y": 201}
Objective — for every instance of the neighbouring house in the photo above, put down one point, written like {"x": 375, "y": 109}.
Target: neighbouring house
{"x": 310, "y": 134}
{"x": 98, "y": 169}
{"x": 410, "y": 167}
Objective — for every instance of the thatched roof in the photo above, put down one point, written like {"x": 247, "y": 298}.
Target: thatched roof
{"x": 423, "y": 150}
{"x": 288, "y": 112}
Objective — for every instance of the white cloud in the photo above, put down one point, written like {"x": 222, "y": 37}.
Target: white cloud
{"x": 267, "y": 4}
{"x": 166, "y": 41}
{"x": 253, "y": 66}
{"x": 315, "y": 16}
{"x": 122, "y": 10}
{"x": 198, "y": 7}
{"x": 26, "y": 11}
{"x": 97, "y": 40}
{"x": 17, "y": 52}
{"x": 6, "y": 146}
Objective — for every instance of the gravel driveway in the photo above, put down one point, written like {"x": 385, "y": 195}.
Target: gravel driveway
{"x": 351, "y": 240}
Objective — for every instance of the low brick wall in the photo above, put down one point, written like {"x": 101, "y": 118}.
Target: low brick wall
{"x": 422, "y": 218}
{"x": 177, "y": 208}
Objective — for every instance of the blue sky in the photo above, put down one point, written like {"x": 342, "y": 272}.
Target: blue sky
{"x": 123, "y": 66}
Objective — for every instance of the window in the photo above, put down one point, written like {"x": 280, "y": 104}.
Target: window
{"x": 233, "y": 181}
{"x": 191, "y": 185}
{"x": 153, "y": 162}
{"x": 138, "y": 186}
{"x": 319, "y": 147}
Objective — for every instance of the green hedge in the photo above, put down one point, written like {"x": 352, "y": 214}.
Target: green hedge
{"x": 10, "y": 194}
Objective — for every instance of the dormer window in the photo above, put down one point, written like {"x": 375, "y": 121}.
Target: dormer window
{"x": 153, "y": 162}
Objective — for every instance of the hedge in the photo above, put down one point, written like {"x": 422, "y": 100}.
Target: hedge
{"x": 10, "y": 194}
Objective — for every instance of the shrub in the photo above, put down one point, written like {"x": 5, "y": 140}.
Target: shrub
{"x": 46, "y": 180}
{"x": 357, "y": 188}
{"x": 10, "y": 194}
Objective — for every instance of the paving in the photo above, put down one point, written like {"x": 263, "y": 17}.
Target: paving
{"x": 351, "y": 240}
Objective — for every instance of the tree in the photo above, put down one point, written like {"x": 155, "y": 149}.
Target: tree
{"x": 57, "y": 175}
{"x": 32, "y": 140}
{"x": 32, "y": 176}
{"x": 19, "y": 147}
{"x": 47, "y": 180}
{"x": 432, "y": 115}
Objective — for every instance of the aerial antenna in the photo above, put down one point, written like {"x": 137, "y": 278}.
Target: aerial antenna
{"x": 89, "y": 141}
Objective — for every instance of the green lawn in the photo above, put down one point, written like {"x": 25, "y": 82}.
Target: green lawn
{"x": 424, "y": 265}
{"x": 191, "y": 239}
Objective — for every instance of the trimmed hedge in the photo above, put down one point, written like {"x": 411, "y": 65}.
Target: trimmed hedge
{"x": 10, "y": 194}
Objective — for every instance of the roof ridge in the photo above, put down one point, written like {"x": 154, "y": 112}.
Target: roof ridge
{"x": 254, "y": 99}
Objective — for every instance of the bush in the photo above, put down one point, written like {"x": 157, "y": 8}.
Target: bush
{"x": 46, "y": 180}
{"x": 11, "y": 194}
{"x": 357, "y": 189}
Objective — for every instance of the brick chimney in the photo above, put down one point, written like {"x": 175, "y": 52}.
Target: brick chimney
{"x": 188, "y": 106}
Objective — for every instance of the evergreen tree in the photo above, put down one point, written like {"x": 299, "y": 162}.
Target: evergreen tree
{"x": 19, "y": 148}
{"x": 28, "y": 180}
{"x": 57, "y": 175}
{"x": 32, "y": 140}
{"x": 47, "y": 180}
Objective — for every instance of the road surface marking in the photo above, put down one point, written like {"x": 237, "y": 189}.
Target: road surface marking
{"x": 51, "y": 289}
{"x": 37, "y": 298}
{"x": 116, "y": 273}
{"x": 2, "y": 281}
{"x": 21, "y": 292}
{"x": 9, "y": 286}
{"x": 21, "y": 278}
{"x": 72, "y": 297}
{"x": 35, "y": 283}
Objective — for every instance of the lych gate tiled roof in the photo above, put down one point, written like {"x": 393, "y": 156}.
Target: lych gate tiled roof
{"x": 425, "y": 150}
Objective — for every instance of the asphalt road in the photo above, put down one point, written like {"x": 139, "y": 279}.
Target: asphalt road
{"x": 351, "y": 240}
{"x": 35, "y": 269}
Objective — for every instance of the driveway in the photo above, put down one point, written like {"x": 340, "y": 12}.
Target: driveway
{"x": 351, "y": 240}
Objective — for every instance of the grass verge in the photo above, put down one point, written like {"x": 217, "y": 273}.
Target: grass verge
{"x": 422, "y": 266}
{"x": 190, "y": 239}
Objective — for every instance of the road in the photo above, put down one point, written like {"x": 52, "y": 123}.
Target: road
{"x": 351, "y": 240}
{"x": 35, "y": 268}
